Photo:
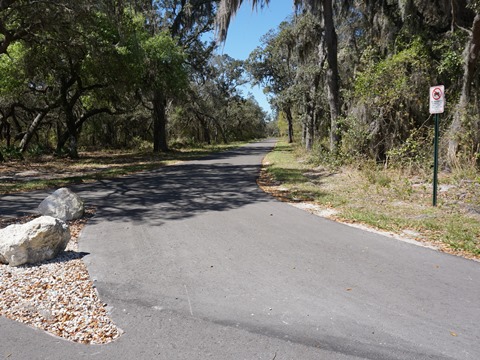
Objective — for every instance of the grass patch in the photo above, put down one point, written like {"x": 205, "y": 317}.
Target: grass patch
{"x": 387, "y": 199}
{"x": 285, "y": 169}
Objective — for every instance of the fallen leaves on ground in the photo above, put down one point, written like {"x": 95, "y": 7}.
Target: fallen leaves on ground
{"x": 58, "y": 295}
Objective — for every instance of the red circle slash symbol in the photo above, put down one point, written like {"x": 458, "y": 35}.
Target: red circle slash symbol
{"x": 437, "y": 94}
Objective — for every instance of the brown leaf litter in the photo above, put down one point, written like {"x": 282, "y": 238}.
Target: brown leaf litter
{"x": 57, "y": 295}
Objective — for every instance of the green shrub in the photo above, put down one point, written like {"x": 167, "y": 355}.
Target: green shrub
{"x": 388, "y": 99}
{"x": 11, "y": 153}
{"x": 415, "y": 152}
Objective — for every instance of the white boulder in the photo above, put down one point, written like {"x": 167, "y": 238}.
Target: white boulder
{"x": 38, "y": 240}
{"x": 63, "y": 204}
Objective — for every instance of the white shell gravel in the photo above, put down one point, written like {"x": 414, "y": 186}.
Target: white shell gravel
{"x": 57, "y": 295}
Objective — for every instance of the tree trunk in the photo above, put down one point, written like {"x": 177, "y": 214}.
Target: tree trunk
{"x": 73, "y": 147}
{"x": 31, "y": 130}
{"x": 63, "y": 137}
{"x": 310, "y": 127}
{"x": 60, "y": 140}
{"x": 304, "y": 133}
{"x": 72, "y": 131}
{"x": 224, "y": 133}
{"x": 206, "y": 134}
{"x": 454, "y": 16}
{"x": 288, "y": 113}
{"x": 8, "y": 134}
{"x": 159, "y": 122}
{"x": 333, "y": 79}
{"x": 470, "y": 55}
{"x": 205, "y": 130}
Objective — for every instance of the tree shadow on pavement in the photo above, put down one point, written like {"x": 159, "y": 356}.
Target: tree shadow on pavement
{"x": 178, "y": 192}
{"x": 214, "y": 183}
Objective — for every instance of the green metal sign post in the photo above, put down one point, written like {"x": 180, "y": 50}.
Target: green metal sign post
{"x": 437, "y": 106}
{"x": 435, "y": 161}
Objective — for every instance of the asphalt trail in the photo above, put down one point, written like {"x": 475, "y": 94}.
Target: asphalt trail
{"x": 198, "y": 263}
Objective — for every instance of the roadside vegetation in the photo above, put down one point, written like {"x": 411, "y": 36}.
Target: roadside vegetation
{"x": 117, "y": 76}
{"x": 396, "y": 200}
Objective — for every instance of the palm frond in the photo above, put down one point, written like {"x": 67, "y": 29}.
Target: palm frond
{"x": 227, "y": 10}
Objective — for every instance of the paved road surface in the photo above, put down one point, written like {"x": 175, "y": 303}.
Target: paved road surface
{"x": 198, "y": 263}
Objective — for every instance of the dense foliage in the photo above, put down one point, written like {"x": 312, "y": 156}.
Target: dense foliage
{"x": 117, "y": 74}
{"x": 384, "y": 57}
{"x": 347, "y": 78}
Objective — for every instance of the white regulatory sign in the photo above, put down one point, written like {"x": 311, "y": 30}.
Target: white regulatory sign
{"x": 437, "y": 99}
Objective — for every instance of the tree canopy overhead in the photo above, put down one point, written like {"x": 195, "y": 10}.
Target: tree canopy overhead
{"x": 361, "y": 74}
{"x": 114, "y": 74}
{"x": 348, "y": 78}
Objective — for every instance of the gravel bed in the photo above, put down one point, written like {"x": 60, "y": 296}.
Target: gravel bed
{"x": 57, "y": 295}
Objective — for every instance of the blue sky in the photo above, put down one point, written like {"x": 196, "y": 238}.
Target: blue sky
{"x": 245, "y": 32}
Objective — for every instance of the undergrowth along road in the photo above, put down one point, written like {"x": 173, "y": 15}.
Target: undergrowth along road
{"x": 393, "y": 200}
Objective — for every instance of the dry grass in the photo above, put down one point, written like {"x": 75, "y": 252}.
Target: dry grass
{"x": 396, "y": 201}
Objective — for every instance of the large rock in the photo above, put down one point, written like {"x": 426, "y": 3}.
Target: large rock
{"x": 38, "y": 240}
{"x": 63, "y": 204}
